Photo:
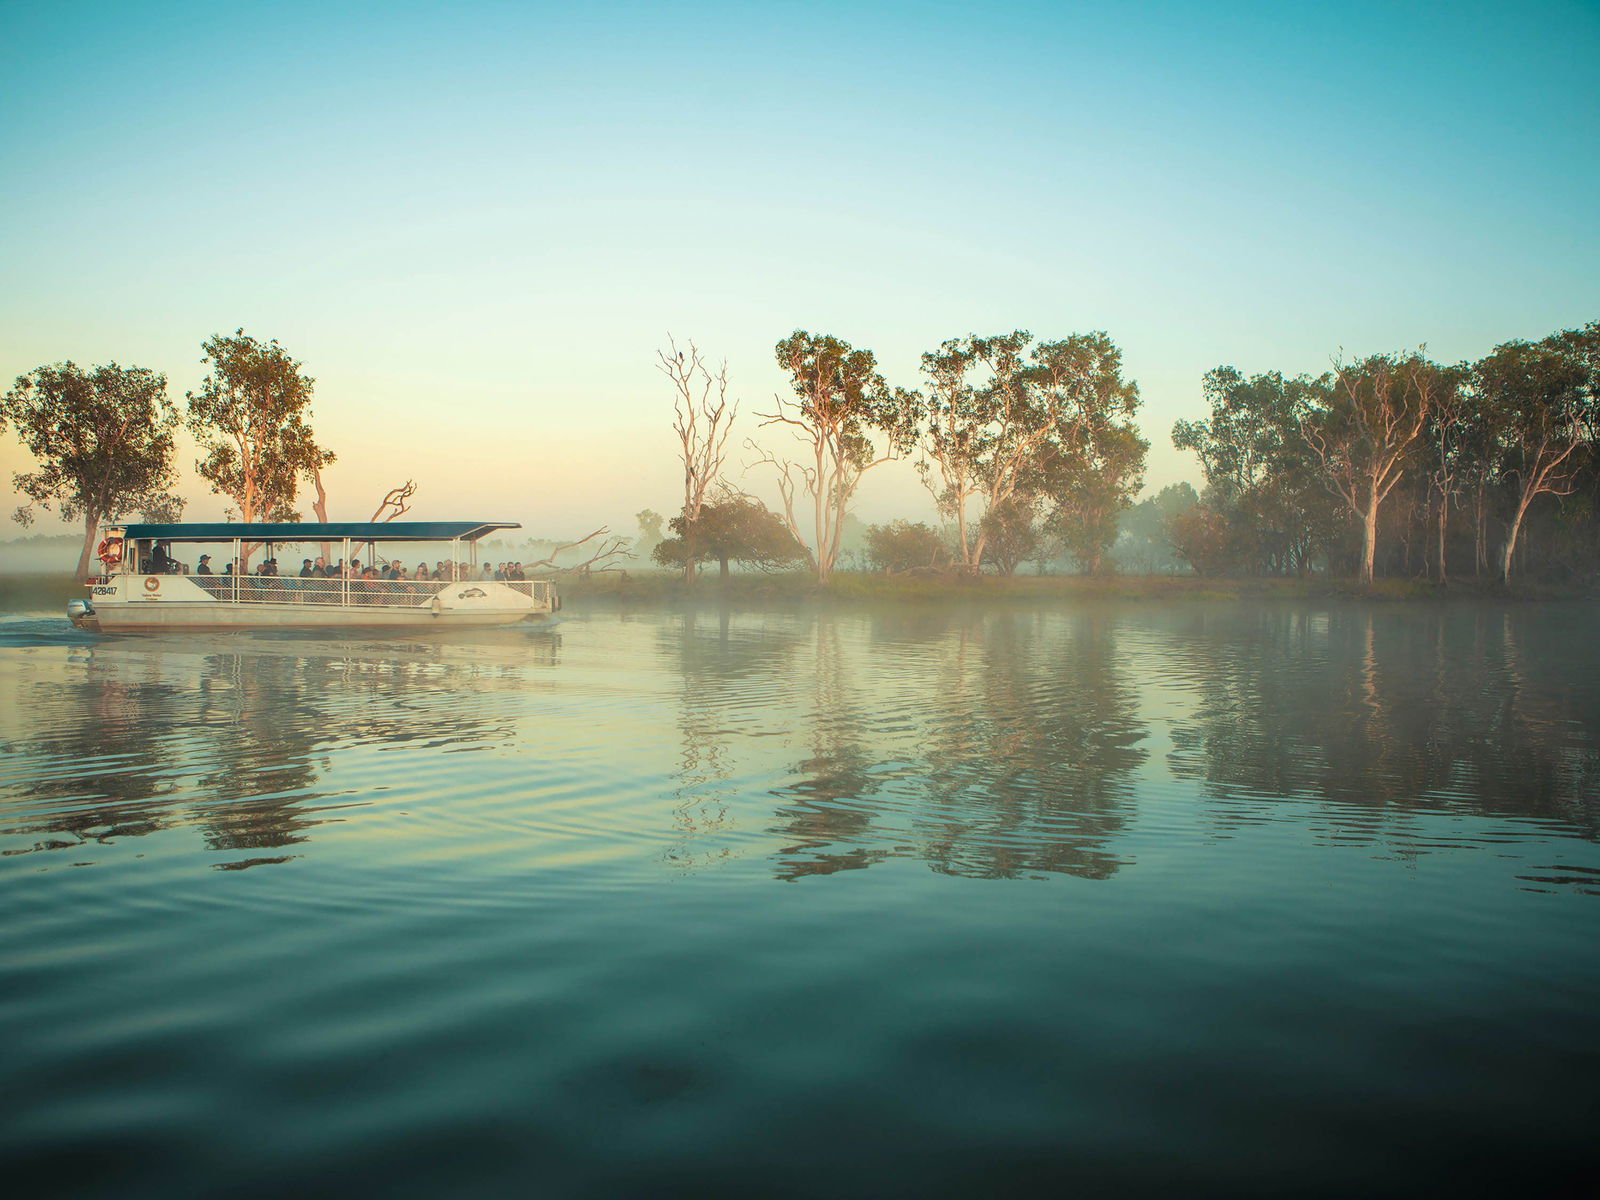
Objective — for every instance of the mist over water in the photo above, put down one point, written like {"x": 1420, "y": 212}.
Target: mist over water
{"x": 1256, "y": 898}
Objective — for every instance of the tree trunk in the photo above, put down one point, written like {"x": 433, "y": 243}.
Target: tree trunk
{"x": 1480, "y": 547}
{"x": 1444, "y": 520}
{"x": 91, "y": 526}
{"x": 1510, "y": 547}
{"x": 724, "y": 568}
{"x": 320, "y": 507}
{"x": 1369, "y": 534}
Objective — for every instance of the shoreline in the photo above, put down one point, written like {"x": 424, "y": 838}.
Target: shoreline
{"x": 850, "y": 589}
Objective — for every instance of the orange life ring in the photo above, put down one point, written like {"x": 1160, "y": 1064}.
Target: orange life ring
{"x": 110, "y": 550}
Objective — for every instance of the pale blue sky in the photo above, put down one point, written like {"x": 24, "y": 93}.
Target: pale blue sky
{"x": 476, "y": 222}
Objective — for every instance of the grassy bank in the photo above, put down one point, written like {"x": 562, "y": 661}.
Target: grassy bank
{"x": 660, "y": 588}
{"x": 38, "y": 593}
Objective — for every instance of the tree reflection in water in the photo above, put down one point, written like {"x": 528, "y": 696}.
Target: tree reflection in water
{"x": 722, "y": 675}
{"x": 990, "y": 747}
{"x": 1376, "y": 718}
{"x": 231, "y": 743}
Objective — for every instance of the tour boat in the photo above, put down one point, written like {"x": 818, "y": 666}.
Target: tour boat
{"x": 156, "y": 578}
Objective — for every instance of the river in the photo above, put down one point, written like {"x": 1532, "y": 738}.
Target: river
{"x": 1231, "y": 898}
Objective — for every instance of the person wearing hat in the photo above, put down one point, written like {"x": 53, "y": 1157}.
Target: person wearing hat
{"x": 205, "y": 565}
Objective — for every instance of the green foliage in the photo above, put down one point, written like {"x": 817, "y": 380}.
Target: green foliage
{"x": 103, "y": 438}
{"x": 842, "y": 404}
{"x": 901, "y": 546}
{"x": 251, "y": 418}
{"x": 1143, "y": 545}
{"x": 1092, "y": 488}
{"x": 1261, "y": 474}
{"x": 1010, "y": 534}
{"x": 840, "y": 393}
{"x": 1203, "y": 537}
{"x": 738, "y": 528}
{"x": 1047, "y": 424}
{"x": 650, "y": 531}
{"x": 1541, "y": 403}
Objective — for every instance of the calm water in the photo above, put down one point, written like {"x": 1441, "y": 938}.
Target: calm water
{"x": 1217, "y": 899}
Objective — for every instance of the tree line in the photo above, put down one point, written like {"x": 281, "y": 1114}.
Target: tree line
{"x": 1391, "y": 464}
{"x": 1014, "y": 437}
{"x": 1395, "y": 464}
{"x": 1387, "y": 465}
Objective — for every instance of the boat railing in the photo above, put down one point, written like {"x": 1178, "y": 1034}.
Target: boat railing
{"x": 371, "y": 593}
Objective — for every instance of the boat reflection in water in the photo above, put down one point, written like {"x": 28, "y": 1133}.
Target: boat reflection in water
{"x": 235, "y": 736}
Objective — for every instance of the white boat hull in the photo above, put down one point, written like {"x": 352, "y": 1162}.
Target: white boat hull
{"x": 139, "y": 604}
{"x": 143, "y": 618}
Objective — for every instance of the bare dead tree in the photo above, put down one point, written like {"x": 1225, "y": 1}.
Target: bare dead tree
{"x": 702, "y": 418}
{"x": 784, "y": 472}
{"x": 611, "y": 550}
{"x": 320, "y": 507}
{"x": 395, "y": 502}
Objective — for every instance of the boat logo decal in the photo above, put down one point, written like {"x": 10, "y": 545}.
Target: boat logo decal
{"x": 472, "y": 593}
{"x": 151, "y": 583}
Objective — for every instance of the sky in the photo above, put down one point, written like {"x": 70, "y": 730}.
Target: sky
{"x": 476, "y": 223}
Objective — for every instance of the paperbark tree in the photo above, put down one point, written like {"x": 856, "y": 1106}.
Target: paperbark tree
{"x": 702, "y": 418}
{"x": 251, "y": 418}
{"x": 1363, "y": 432}
{"x": 103, "y": 438}
{"x": 841, "y": 403}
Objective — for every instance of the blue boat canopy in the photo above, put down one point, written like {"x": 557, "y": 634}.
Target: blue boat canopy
{"x": 333, "y": 531}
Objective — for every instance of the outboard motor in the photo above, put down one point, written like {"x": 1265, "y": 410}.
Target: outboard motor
{"x": 81, "y": 614}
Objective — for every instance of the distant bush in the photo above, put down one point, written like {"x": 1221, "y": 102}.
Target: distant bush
{"x": 904, "y": 546}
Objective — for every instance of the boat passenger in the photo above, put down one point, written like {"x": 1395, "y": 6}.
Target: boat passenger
{"x": 307, "y": 571}
{"x": 205, "y": 565}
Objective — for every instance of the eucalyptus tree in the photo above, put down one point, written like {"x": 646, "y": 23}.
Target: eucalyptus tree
{"x": 1004, "y": 416}
{"x": 1091, "y": 488}
{"x": 841, "y": 404}
{"x": 103, "y": 438}
{"x": 1259, "y": 468}
{"x": 1362, "y": 430}
{"x": 1543, "y": 400}
{"x": 1447, "y": 449}
{"x": 251, "y": 419}
{"x": 978, "y": 431}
